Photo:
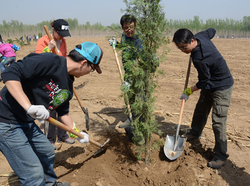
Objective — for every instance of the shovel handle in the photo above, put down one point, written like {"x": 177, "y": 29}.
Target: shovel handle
{"x": 50, "y": 38}
{"x": 78, "y": 99}
{"x": 83, "y": 109}
{"x": 183, "y": 101}
{"x": 188, "y": 72}
{"x": 65, "y": 127}
{"x": 122, "y": 80}
{"x": 118, "y": 64}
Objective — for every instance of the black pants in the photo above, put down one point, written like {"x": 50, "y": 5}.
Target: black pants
{"x": 219, "y": 102}
{"x": 61, "y": 134}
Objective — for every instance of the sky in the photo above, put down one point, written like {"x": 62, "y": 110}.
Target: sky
{"x": 108, "y": 12}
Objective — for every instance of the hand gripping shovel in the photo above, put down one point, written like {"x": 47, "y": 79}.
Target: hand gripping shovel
{"x": 83, "y": 109}
{"x": 65, "y": 127}
{"x": 174, "y": 145}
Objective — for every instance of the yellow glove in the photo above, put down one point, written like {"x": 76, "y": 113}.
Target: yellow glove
{"x": 188, "y": 91}
{"x": 74, "y": 128}
{"x": 46, "y": 50}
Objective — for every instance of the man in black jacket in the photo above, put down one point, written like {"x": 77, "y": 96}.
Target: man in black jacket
{"x": 34, "y": 86}
{"x": 216, "y": 84}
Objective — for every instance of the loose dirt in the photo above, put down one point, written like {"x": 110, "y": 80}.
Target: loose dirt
{"x": 118, "y": 165}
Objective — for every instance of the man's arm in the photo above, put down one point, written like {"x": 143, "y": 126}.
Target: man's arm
{"x": 67, "y": 120}
{"x": 16, "y": 90}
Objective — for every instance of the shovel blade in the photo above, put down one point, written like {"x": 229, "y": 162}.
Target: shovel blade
{"x": 172, "y": 148}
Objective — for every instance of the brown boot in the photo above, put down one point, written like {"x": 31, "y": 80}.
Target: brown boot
{"x": 216, "y": 164}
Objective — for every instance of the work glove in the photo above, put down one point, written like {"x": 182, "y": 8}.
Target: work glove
{"x": 187, "y": 92}
{"x": 112, "y": 41}
{"x": 86, "y": 138}
{"x": 15, "y": 47}
{"x": 125, "y": 86}
{"x": 38, "y": 112}
{"x": 184, "y": 96}
{"x": 74, "y": 128}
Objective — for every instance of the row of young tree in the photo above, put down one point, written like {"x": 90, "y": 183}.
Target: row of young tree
{"x": 225, "y": 28}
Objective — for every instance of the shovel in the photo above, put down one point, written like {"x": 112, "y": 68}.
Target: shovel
{"x": 83, "y": 109}
{"x": 174, "y": 145}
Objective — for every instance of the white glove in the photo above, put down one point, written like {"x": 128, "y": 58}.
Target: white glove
{"x": 85, "y": 139}
{"x": 184, "y": 96}
{"x": 127, "y": 84}
{"x": 113, "y": 41}
{"x": 38, "y": 112}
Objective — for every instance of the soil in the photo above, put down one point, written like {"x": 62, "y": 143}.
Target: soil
{"x": 117, "y": 165}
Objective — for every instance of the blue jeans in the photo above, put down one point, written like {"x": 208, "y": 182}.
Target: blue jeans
{"x": 29, "y": 153}
{"x": 6, "y": 61}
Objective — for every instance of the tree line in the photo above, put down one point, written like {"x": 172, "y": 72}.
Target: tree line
{"x": 225, "y": 28}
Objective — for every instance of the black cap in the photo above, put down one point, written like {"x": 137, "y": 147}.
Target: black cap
{"x": 62, "y": 27}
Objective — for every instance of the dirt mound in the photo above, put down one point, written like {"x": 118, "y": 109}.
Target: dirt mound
{"x": 117, "y": 165}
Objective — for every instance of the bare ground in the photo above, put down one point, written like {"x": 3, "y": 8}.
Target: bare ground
{"x": 118, "y": 165}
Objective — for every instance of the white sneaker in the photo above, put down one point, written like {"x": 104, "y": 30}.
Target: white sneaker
{"x": 126, "y": 123}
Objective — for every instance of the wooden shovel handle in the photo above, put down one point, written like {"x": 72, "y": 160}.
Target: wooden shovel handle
{"x": 50, "y": 38}
{"x": 186, "y": 84}
{"x": 188, "y": 72}
{"x": 122, "y": 80}
{"x": 77, "y": 97}
{"x": 65, "y": 127}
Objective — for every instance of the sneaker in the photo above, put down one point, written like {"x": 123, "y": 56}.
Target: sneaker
{"x": 61, "y": 184}
{"x": 68, "y": 141}
{"x": 191, "y": 137}
{"x": 216, "y": 164}
{"x": 126, "y": 123}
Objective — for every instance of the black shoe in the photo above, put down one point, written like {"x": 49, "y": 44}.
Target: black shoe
{"x": 136, "y": 138}
{"x": 191, "y": 137}
{"x": 61, "y": 184}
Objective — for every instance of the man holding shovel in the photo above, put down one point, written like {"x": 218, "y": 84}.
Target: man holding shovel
{"x": 130, "y": 36}
{"x": 34, "y": 85}
{"x": 216, "y": 84}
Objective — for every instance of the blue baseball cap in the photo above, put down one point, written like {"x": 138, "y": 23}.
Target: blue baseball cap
{"x": 93, "y": 53}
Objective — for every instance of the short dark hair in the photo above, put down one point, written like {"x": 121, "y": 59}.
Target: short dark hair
{"x": 183, "y": 35}
{"x": 127, "y": 18}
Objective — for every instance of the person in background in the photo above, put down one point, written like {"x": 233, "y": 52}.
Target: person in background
{"x": 7, "y": 51}
{"x": 33, "y": 86}
{"x": 215, "y": 83}
{"x": 60, "y": 29}
{"x": 1, "y": 39}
